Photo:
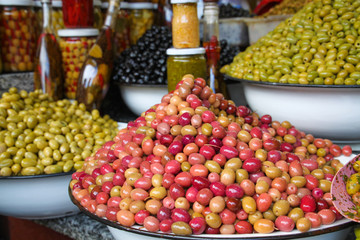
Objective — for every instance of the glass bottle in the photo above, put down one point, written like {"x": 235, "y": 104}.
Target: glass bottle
{"x": 95, "y": 74}
{"x": 48, "y": 73}
{"x": 212, "y": 46}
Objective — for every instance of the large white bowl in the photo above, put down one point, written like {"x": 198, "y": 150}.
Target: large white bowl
{"x": 140, "y": 97}
{"x": 36, "y": 197}
{"x": 331, "y": 112}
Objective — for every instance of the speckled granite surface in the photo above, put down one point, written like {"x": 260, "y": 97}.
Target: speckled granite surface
{"x": 23, "y": 81}
{"x": 78, "y": 227}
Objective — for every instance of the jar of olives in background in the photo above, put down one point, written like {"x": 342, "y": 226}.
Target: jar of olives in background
{"x": 18, "y": 35}
{"x": 98, "y": 16}
{"x": 185, "y": 61}
{"x": 141, "y": 18}
{"x": 75, "y": 45}
{"x": 122, "y": 29}
{"x": 185, "y": 24}
{"x": 56, "y": 15}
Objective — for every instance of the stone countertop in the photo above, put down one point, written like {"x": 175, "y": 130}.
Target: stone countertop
{"x": 78, "y": 227}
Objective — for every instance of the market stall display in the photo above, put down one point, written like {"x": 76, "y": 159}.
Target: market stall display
{"x": 228, "y": 11}
{"x": 185, "y": 168}
{"x": 18, "y": 35}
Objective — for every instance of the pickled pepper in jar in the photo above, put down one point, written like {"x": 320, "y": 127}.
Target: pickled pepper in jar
{"x": 95, "y": 74}
{"x": 48, "y": 73}
{"x": 78, "y": 13}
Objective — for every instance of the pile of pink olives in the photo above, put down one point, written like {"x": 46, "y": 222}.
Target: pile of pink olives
{"x": 197, "y": 164}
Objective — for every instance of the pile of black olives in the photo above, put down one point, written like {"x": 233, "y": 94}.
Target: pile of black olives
{"x": 228, "y": 11}
{"x": 145, "y": 62}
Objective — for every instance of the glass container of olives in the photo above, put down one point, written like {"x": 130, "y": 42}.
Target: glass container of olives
{"x": 75, "y": 45}
{"x": 141, "y": 18}
{"x": 185, "y": 24}
{"x": 17, "y": 34}
{"x": 185, "y": 61}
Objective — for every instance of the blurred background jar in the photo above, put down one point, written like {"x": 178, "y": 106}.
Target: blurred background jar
{"x": 122, "y": 29}
{"x": 185, "y": 24}
{"x": 56, "y": 15}
{"x": 141, "y": 18}
{"x": 94, "y": 78}
{"x": 185, "y": 61}
{"x": 98, "y": 16}
{"x": 78, "y": 13}
{"x": 18, "y": 35}
{"x": 75, "y": 45}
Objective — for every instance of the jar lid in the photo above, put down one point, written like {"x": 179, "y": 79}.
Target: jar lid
{"x": 97, "y": 3}
{"x": 78, "y": 32}
{"x": 123, "y": 5}
{"x": 185, "y": 51}
{"x": 140, "y": 5}
{"x": 56, "y": 3}
{"x": 183, "y": 1}
{"x": 16, "y": 2}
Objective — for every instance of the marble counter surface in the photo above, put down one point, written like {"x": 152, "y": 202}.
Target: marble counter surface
{"x": 78, "y": 227}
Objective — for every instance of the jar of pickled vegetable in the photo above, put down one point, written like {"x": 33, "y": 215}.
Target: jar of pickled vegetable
{"x": 74, "y": 45}
{"x": 78, "y": 13}
{"x": 98, "y": 16}
{"x": 18, "y": 35}
{"x": 185, "y": 61}
{"x": 56, "y": 15}
{"x": 141, "y": 18}
{"x": 122, "y": 29}
{"x": 185, "y": 24}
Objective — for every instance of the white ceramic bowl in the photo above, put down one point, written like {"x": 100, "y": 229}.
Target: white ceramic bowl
{"x": 36, "y": 197}
{"x": 140, "y": 97}
{"x": 331, "y": 112}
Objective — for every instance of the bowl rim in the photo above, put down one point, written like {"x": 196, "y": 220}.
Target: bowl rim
{"x": 115, "y": 225}
{"x": 227, "y": 77}
{"x": 141, "y": 85}
{"x": 36, "y": 176}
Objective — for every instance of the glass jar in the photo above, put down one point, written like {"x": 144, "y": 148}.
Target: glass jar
{"x": 78, "y": 13}
{"x": 122, "y": 29}
{"x": 18, "y": 35}
{"x": 185, "y": 61}
{"x": 185, "y": 24}
{"x": 141, "y": 18}
{"x": 74, "y": 45}
{"x": 56, "y": 15}
{"x": 94, "y": 79}
{"x": 98, "y": 16}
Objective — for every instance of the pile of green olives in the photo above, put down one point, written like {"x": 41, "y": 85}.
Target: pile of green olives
{"x": 42, "y": 136}
{"x": 319, "y": 45}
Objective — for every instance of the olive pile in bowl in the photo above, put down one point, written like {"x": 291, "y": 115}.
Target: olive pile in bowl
{"x": 41, "y": 136}
{"x": 197, "y": 164}
{"x": 318, "y": 45}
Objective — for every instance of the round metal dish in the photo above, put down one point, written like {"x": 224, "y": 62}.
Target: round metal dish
{"x": 325, "y": 111}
